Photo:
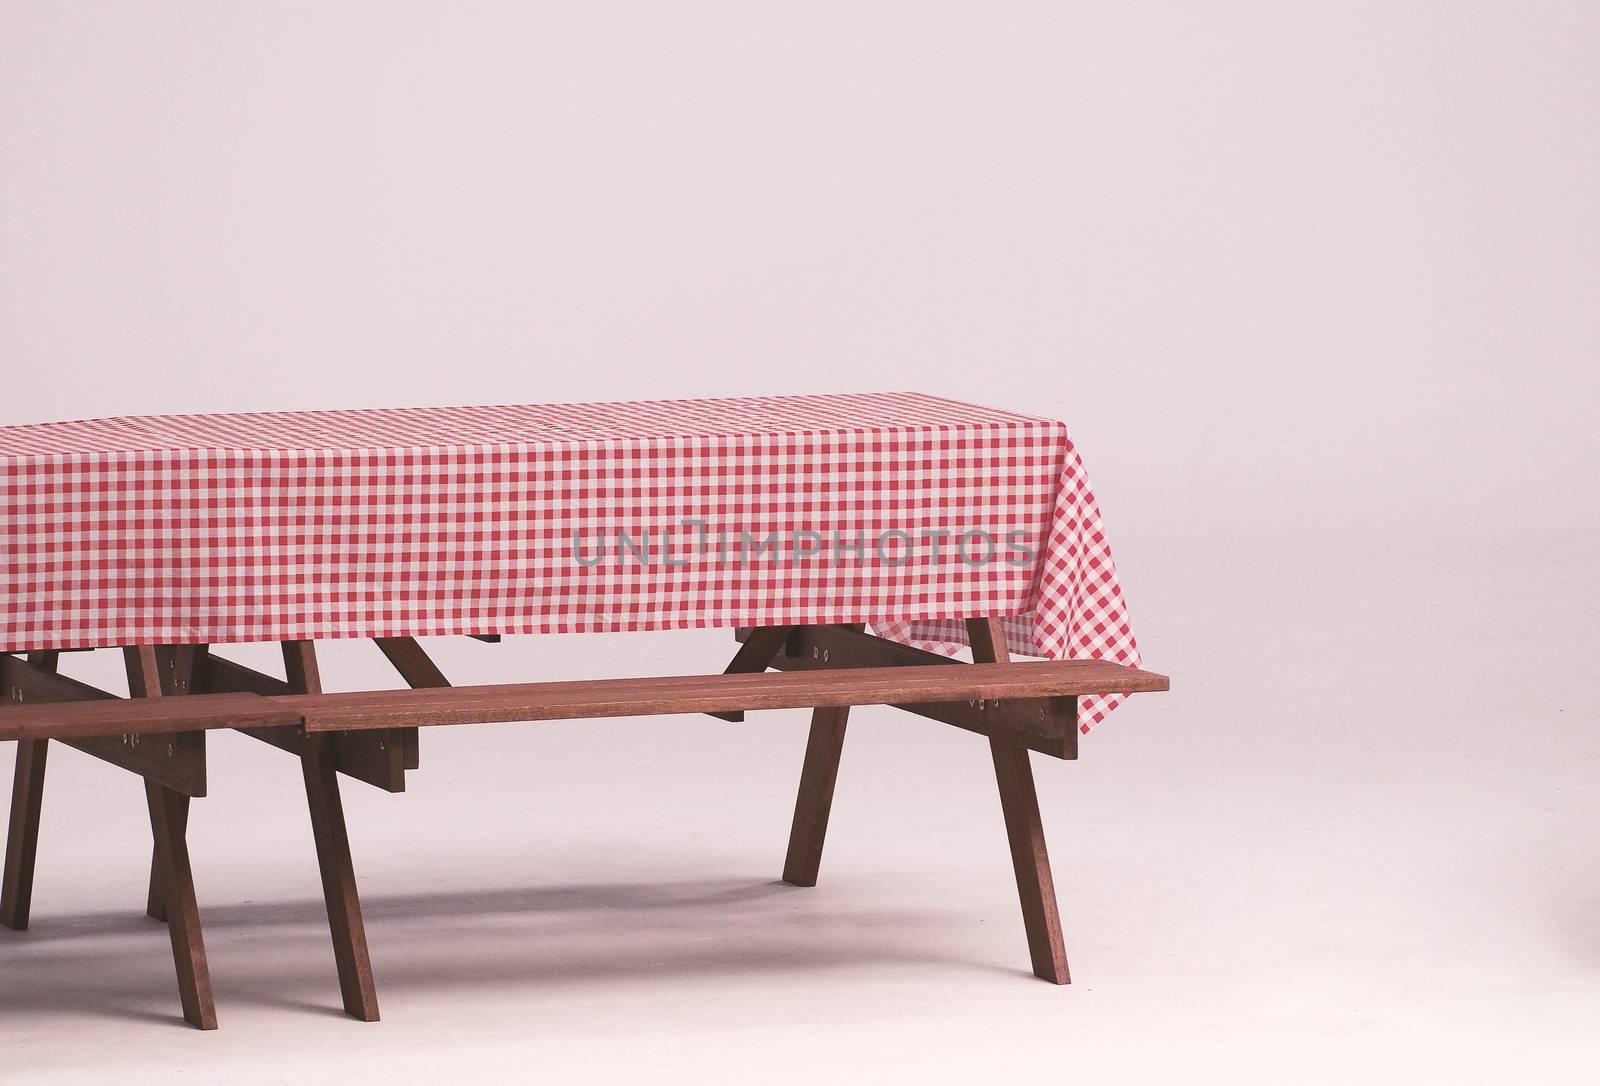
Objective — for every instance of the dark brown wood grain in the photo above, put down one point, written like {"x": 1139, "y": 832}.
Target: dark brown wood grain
{"x": 117, "y": 716}
{"x": 178, "y": 667}
{"x": 173, "y": 760}
{"x": 1048, "y": 725}
{"x": 592, "y": 698}
{"x": 225, "y": 676}
{"x": 176, "y": 760}
{"x": 417, "y": 668}
{"x": 183, "y": 913}
{"x": 814, "y": 800}
{"x": 665, "y": 695}
{"x": 755, "y": 655}
{"x": 375, "y": 758}
{"x": 27, "y": 807}
{"x": 413, "y": 663}
{"x": 155, "y": 906}
{"x": 345, "y": 925}
{"x": 22, "y": 841}
{"x": 174, "y": 874}
{"x": 1019, "y": 803}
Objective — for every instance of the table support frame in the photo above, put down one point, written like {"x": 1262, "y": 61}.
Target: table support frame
{"x": 1019, "y": 801}
{"x": 372, "y": 736}
{"x": 375, "y": 757}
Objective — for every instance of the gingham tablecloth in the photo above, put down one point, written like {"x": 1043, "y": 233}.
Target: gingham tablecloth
{"x": 904, "y": 511}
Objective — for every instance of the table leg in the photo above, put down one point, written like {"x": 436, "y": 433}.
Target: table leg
{"x": 183, "y": 913}
{"x": 22, "y": 843}
{"x": 356, "y": 983}
{"x": 168, "y": 826}
{"x": 177, "y": 666}
{"x": 27, "y": 801}
{"x": 318, "y": 762}
{"x": 1019, "y": 802}
{"x": 815, "y": 799}
{"x": 156, "y": 907}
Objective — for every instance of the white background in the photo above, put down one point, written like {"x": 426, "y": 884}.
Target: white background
{"x": 1313, "y": 285}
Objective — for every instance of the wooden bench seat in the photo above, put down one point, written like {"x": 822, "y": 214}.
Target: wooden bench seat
{"x": 142, "y": 716}
{"x": 595, "y": 698}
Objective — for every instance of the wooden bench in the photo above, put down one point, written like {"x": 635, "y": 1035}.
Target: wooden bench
{"x": 917, "y": 687}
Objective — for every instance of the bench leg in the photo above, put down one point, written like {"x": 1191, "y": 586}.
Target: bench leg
{"x": 27, "y": 801}
{"x": 815, "y": 799}
{"x": 22, "y": 843}
{"x": 319, "y": 764}
{"x": 174, "y": 877}
{"x": 1019, "y": 802}
{"x": 349, "y": 933}
{"x": 183, "y": 914}
{"x": 177, "y": 669}
{"x": 156, "y": 907}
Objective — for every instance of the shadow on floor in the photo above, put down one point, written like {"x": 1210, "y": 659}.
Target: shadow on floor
{"x": 537, "y": 940}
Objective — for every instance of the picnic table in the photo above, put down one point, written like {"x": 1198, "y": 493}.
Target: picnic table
{"x": 854, "y": 543}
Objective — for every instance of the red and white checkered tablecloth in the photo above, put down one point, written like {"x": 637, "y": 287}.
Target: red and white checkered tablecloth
{"x": 904, "y": 511}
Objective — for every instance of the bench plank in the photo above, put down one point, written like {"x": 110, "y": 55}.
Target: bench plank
{"x": 599, "y": 698}
{"x": 587, "y": 699}
{"x": 143, "y": 716}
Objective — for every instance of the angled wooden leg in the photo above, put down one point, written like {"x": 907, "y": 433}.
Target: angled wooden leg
{"x": 183, "y": 925}
{"x": 177, "y": 666}
{"x": 176, "y": 878}
{"x": 156, "y": 906}
{"x": 815, "y": 799}
{"x": 318, "y": 762}
{"x": 22, "y": 844}
{"x": 183, "y": 914}
{"x": 350, "y": 954}
{"x": 1035, "y": 887}
{"x": 1020, "y": 804}
{"x": 27, "y": 800}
